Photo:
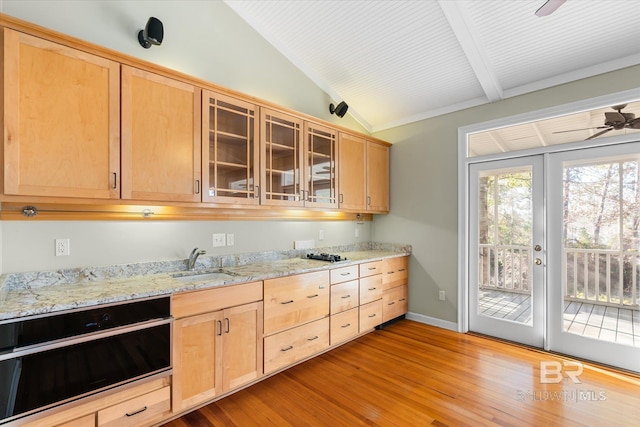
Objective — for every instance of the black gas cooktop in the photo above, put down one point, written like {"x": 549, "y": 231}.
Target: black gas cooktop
{"x": 327, "y": 257}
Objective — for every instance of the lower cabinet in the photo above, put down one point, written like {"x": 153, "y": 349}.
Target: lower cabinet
{"x": 217, "y": 351}
{"x": 394, "y": 303}
{"x": 395, "y": 279}
{"x": 344, "y": 326}
{"x": 141, "y": 404}
{"x": 370, "y": 315}
{"x": 293, "y": 345}
{"x": 138, "y": 411}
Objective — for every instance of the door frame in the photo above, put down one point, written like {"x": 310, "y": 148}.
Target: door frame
{"x": 464, "y": 162}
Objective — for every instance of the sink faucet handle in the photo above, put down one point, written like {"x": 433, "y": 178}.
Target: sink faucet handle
{"x": 193, "y": 252}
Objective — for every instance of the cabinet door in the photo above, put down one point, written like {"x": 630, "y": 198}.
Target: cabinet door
{"x": 377, "y": 177}
{"x": 352, "y": 173}
{"x": 281, "y": 161}
{"x": 321, "y": 166}
{"x": 229, "y": 150}
{"x": 242, "y": 345}
{"x": 160, "y": 138}
{"x": 61, "y": 120}
{"x": 197, "y": 356}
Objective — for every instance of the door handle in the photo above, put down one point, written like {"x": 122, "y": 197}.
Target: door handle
{"x": 537, "y": 248}
{"x": 538, "y": 261}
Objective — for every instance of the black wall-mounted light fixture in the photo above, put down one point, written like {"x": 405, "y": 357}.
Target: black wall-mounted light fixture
{"x": 152, "y": 34}
{"x": 339, "y": 110}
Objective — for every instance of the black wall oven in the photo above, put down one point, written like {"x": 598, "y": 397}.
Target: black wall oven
{"x": 53, "y": 359}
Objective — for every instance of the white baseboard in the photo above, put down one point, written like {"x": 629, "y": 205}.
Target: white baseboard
{"x": 445, "y": 324}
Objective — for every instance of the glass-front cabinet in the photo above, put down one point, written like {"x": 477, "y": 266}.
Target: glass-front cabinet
{"x": 230, "y": 150}
{"x": 282, "y": 159}
{"x": 321, "y": 157}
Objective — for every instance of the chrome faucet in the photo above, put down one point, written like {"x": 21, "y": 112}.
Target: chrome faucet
{"x": 195, "y": 253}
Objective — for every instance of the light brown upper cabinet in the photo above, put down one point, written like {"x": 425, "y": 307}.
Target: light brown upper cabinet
{"x": 321, "y": 166}
{"x": 61, "y": 120}
{"x": 352, "y": 172}
{"x": 281, "y": 159}
{"x": 377, "y": 177}
{"x": 230, "y": 150}
{"x": 363, "y": 175}
{"x": 161, "y": 134}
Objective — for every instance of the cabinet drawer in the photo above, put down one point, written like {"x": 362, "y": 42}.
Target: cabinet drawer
{"x": 394, "y": 302}
{"x": 138, "y": 411}
{"x": 396, "y": 272}
{"x": 370, "y": 288}
{"x": 344, "y": 326}
{"x": 344, "y": 296}
{"x": 198, "y": 302}
{"x": 370, "y": 268}
{"x": 370, "y": 315}
{"x": 293, "y": 300}
{"x": 344, "y": 274}
{"x": 290, "y": 346}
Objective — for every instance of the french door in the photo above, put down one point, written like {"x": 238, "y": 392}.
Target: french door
{"x": 594, "y": 244}
{"x": 506, "y": 241}
{"x": 554, "y": 252}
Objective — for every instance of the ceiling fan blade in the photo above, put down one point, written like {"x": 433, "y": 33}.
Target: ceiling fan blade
{"x": 599, "y": 133}
{"x": 549, "y": 7}
{"x": 576, "y": 130}
{"x": 633, "y": 124}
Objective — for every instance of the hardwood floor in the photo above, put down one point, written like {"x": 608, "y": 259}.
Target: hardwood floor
{"x": 411, "y": 374}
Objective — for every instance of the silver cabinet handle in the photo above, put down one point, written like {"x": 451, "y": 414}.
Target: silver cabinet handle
{"x": 115, "y": 180}
{"x": 312, "y": 296}
{"x": 287, "y": 348}
{"x": 391, "y": 303}
{"x": 372, "y": 268}
{"x": 197, "y": 186}
{"x": 372, "y": 289}
{"x": 345, "y": 274}
{"x": 219, "y": 327}
{"x": 372, "y": 315}
{"x": 228, "y": 322}
{"x": 313, "y": 339}
{"x": 136, "y": 412}
{"x": 402, "y": 269}
{"x": 346, "y": 326}
{"x": 368, "y": 200}
{"x": 286, "y": 302}
{"x": 341, "y": 199}
{"x": 346, "y": 296}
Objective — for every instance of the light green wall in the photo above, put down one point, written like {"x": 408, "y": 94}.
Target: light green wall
{"x": 424, "y": 185}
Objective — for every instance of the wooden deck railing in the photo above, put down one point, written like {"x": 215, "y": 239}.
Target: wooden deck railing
{"x": 505, "y": 267}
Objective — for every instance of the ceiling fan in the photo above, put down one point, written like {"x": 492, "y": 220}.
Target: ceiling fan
{"x": 613, "y": 121}
{"x": 549, "y": 7}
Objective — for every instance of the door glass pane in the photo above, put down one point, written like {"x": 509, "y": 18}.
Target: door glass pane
{"x": 321, "y": 171}
{"x": 505, "y": 234}
{"x": 282, "y": 145}
{"x": 601, "y": 235}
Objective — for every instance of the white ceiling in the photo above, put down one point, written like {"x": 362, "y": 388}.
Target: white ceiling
{"x": 399, "y": 61}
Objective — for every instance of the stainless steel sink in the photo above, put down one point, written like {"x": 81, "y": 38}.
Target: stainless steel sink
{"x": 199, "y": 276}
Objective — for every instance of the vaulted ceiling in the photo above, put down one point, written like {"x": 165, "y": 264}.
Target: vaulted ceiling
{"x": 399, "y": 61}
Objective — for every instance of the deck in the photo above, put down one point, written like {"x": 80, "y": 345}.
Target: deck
{"x": 620, "y": 325}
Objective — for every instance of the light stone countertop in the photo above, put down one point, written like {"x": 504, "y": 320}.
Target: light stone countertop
{"x": 40, "y": 293}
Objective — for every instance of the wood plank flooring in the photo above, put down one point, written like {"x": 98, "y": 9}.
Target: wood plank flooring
{"x": 411, "y": 374}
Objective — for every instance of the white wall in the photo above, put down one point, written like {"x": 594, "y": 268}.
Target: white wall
{"x": 205, "y": 39}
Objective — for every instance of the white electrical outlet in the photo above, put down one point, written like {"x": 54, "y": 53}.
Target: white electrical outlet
{"x": 321, "y": 235}
{"x": 230, "y": 239}
{"x": 218, "y": 239}
{"x": 63, "y": 247}
{"x": 357, "y": 232}
{"x": 442, "y": 296}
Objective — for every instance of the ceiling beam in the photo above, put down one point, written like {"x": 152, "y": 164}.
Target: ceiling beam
{"x": 464, "y": 31}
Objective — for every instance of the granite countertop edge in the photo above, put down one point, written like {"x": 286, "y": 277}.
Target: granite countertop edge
{"x": 42, "y": 293}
